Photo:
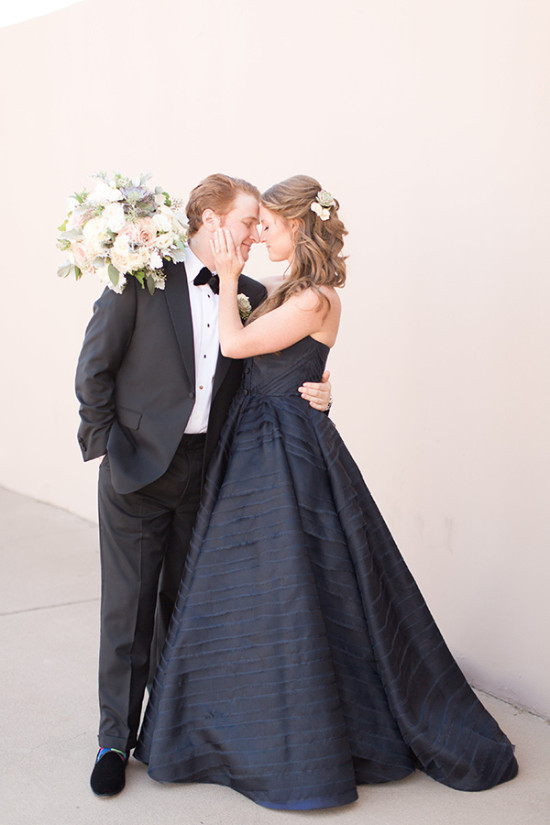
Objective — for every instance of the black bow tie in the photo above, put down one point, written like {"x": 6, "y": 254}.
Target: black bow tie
{"x": 206, "y": 277}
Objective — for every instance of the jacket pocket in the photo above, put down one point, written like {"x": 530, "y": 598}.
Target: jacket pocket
{"x": 128, "y": 418}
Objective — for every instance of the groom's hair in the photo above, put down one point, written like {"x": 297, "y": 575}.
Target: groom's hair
{"x": 217, "y": 192}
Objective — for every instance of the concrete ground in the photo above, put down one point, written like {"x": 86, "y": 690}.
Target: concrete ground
{"x": 49, "y": 634}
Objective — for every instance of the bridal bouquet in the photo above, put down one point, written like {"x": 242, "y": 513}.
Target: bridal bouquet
{"x": 122, "y": 228}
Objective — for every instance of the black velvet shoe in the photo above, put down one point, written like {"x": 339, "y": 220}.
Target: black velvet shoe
{"x": 108, "y": 776}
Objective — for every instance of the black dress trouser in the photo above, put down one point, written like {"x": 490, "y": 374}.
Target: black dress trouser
{"x": 144, "y": 539}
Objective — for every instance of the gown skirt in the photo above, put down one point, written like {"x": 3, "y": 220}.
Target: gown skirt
{"x": 302, "y": 659}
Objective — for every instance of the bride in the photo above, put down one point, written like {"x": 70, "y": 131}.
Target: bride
{"x": 302, "y": 659}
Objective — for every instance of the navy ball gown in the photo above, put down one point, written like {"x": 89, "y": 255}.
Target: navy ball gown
{"x": 302, "y": 659}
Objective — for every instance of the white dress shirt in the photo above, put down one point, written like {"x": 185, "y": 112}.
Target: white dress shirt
{"x": 204, "y": 312}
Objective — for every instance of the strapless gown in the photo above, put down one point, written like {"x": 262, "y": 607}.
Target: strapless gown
{"x": 301, "y": 659}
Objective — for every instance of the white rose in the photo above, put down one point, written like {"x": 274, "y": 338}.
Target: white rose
{"x": 121, "y": 245}
{"x": 142, "y": 257}
{"x": 121, "y": 255}
{"x": 164, "y": 241}
{"x": 155, "y": 260}
{"x": 162, "y": 222}
{"x": 324, "y": 214}
{"x": 103, "y": 194}
{"x": 93, "y": 250}
{"x": 114, "y": 216}
{"x": 95, "y": 231}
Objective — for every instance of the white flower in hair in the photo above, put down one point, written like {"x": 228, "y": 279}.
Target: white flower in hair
{"x": 322, "y": 204}
{"x": 323, "y": 213}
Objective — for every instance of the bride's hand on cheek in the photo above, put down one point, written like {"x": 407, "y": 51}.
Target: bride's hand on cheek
{"x": 228, "y": 259}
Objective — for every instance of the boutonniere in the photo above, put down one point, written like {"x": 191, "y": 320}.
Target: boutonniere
{"x": 244, "y": 305}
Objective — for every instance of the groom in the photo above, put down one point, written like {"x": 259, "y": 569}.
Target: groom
{"x": 154, "y": 391}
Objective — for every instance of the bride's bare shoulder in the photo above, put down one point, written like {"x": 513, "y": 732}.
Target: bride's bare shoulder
{"x": 309, "y": 298}
{"x": 333, "y": 296}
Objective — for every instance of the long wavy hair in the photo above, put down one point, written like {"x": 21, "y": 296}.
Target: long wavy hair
{"x": 317, "y": 260}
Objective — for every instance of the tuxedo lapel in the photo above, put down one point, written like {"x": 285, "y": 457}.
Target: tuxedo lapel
{"x": 222, "y": 366}
{"x": 177, "y": 299}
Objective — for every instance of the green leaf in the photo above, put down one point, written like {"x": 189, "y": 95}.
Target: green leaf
{"x": 77, "y": 272}
{"x": 72, "y": 234}
{"x": 139, "y": 275}
{"x": 114, "y": 274}
{"x": 64, "y": 270}
{"x": 150, "y": 284}
{"x": 63, "y": 226}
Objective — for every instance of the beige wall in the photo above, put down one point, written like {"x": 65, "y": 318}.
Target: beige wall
{"x": 430, "y": 122}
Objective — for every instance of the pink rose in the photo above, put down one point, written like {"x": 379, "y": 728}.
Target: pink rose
{"x": 124, "y": 258}
{"x": 147, "y": 231}
{"x": 131, "y": 232}
{"x": 80, "y": 255}
{"x": 140, "y": 233}
{"x": 77, "y": 219}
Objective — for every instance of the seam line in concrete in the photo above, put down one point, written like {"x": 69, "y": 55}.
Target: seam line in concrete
{"x": 47, "y": 607}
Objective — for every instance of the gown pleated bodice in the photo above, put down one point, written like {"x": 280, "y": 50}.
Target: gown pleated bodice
{"x": 302, "y": 659}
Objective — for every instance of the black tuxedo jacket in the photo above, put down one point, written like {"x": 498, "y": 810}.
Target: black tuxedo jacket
{"x": 135, "y": 378}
